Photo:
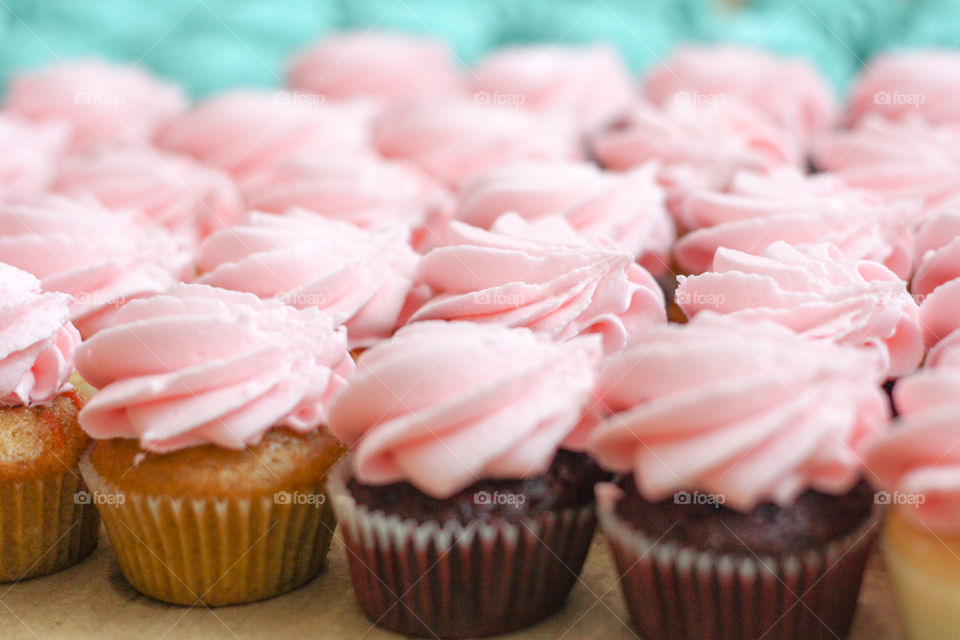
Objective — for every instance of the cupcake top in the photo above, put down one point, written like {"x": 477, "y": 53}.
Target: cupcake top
{"x": 540, "y": 275}
{"x": 101, "y": 258}
{"x": 590, "y": 83}
{"x": 387, "y": 67}
{"x": 37, "y": 340}
{"x": 906, "y": 83}
{"x": 442, "y": 405}
{"x": 816, "y": 291}
{"x": 171, "y": 190}
{"x": 103, "y": 103}
{"x": 787, "y": 90}
{"x": 940, "y": 320}
{"x": 758, "y": 210}
{"x": 697, "y": 145}
{"x": 455, "y": 139}
{"x": 626, "y": 210}
{"x": 747, "y": 410}
{"x": 363, "y": 278}
{"x": 937, "y": 244}
{"x": 200, "y": 365}
{"x": 243, "y": 132}
{"x": 30, "y": 153}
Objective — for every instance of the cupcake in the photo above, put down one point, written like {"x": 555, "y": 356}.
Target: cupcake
{"x": 915, "y": 468}
{"x": 937, "y": 244}
{"x": 30, "y": 157}
{"x": 461, "y": 514}
{"x": 104, "y": 104}
{"x": 816, "y": 291}
{"x": 215, "y": 451}
{"x": 940, "y": 320}
{"x": 741, "y": 513}
{"x": 542, "y": 276}
{"x": 363, "y": 278}
{"x": 47, "y": 519}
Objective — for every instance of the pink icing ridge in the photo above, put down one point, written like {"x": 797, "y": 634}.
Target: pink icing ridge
{"x": 101, "y": 258}
{"x": 201, "y": 365}
{"x": 920, "y": 456}
{"x": 785, "y": 205}
{"x": 938, "y": 245}
{"x": 454, "y": 139}
{"x": 904, "y": 84}
{"x": 696, "y": 146}
{"x": 626, "y": 210}
{"x": 747, "y": 410}
{"x": 590, "y": 83}
{"x": 37, "y": 340}
{"x": 104, "y": 103}
{"x": 174, "y": 191}
{"x": 442, "y": 405}
{"x": 243, "y": 132}
{"x": 940, "y": 318}
{"x": 363, "y": 278}
{"x": 387, "y": 67}
{"x": 30, "y": 153}
{"x": 802, "y": 102}
{"x": 817, "y": 292}
{"x": 540, "y": 275}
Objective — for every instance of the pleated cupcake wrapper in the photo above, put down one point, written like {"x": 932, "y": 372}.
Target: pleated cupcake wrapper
{"x": 679, "y": 593}
{"x": 459, "y": 580}
{"x": 46, "y": 525}
{"x": 218, "y": 550}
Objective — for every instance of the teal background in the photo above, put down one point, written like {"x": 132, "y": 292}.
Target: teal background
{"x": 211, "y": 45}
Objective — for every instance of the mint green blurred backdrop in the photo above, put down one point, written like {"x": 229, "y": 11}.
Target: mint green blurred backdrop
{"x": 210, "y": 45}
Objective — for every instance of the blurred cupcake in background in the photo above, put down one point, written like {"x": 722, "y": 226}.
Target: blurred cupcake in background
{"x": 215, "y": 450}
{"x": 31, "y": 153}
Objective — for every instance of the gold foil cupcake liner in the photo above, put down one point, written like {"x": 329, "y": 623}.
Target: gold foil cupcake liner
{"x": 675, "y": 592}
{"x": 217, "y": 550}
{"x": 46, "y": 525}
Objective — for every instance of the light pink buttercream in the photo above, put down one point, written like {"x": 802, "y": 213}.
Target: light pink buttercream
{"x": 30, "y": 153}
{"x": 626, "y": 210}
{"x": 200, "y": 365}
{"x": 363, "y": 278}
{"x": 938, "y": 246}
{"x": 750, "y": 411}
{"x": 541, "y": 275}
{"x": 172, "y": 190}
{"x": 590, "y": 83}
{"x": 37, "y": 340}
{"x": 101, "y": 258}
{"x": 816, "y": 291}
{"x": 759, "y": 210}
{"x": 940, "y": 320}
{"x": 103, "y": 103}
{"x": 443, "y": 405}
{"x": 387, "y": 67}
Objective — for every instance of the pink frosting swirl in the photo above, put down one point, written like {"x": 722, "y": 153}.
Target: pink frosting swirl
{"x": 938, "y": 245}
{"x": 940, "y": 320}
{"x": 37, "y": 340}
{"x": 785, "y": 205}
{"x": 697, "y": 146}
{"x": 454, "y": 139}
{"x": 747, "y": 410}
{"x": 388, "y": 67}
{"x": 30, "y": 153}
{"x": 104, "y": 103}
{"x": 101, "y": 258}
{"x": 442, "y": 405}
{"x": 543, "y": 276}
{"x": 802, "y": 102}
{"x": 243, "y": 132}
{"x": 363, "y": 278}
{"x": 818, "y": 292}
{"x": 174, "y": 191}
{"x": 920, "y": 458}
{"x": 201, "y": 365}
{"x": 590, "y": 83}
{"x": 903, "y": 84}
{"x": 626, "y": 210}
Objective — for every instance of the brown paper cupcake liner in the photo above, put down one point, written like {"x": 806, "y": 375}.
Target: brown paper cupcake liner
{"x": 456, "y": 580}
{"x": 46, "y": 525}
{"x": 213, "y": 550}
{"x": 680, "y": 593}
